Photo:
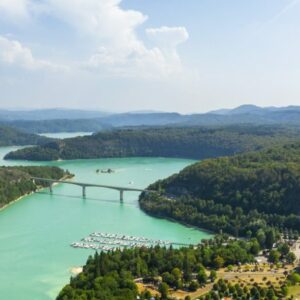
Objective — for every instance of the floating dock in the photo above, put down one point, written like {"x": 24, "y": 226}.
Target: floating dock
{"x": 111, "y": 241}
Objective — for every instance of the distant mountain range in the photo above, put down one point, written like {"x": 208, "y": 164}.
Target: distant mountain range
{"x": 56, "y": 120}
{"x": 57, "y": 125}
{"x": 49, "y": 114}
{"x": 245, "y": 114}
{"x": 253, "y": 109}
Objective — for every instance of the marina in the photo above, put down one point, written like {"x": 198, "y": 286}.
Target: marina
{"x": 110, "y": 241}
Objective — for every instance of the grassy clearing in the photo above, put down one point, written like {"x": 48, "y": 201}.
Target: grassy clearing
{"x": 295, "y": 291}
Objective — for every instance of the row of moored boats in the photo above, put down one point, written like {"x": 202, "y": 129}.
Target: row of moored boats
{"x": 110, "y": 241}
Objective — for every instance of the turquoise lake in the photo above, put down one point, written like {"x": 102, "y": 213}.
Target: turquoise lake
{"x": 36, "y": 232}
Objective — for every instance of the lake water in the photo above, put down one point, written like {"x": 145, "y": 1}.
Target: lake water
{"x": 65, "y": 135}
{"x": 36, "y": 232}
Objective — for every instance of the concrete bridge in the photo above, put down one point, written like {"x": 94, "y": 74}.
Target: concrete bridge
{"x": 120, "y": 189}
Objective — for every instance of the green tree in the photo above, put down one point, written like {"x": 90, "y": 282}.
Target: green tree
{"x": 270, "y": 294}
{"x": 164, "y": 290}
{"x": 261, "y": 237}
{"x": 187, "y": 268}
{"x": 283, "y": 248}
{"x": 255, "y": 247}
{"x": 193, "y": 286}
{"x": 202, "y": 277}
{"x": 213, "y": 275}
{"x": 177, "y": 273}
{"x": 284, "y": 290}
{"x": 291, "y": 257}
{"x": 274, "y": 256}
{"x": 218, "y": 262}
{"x": 270, "y": 238}
{"x": 168, "y": 278}
{"x": 294, "y": 278}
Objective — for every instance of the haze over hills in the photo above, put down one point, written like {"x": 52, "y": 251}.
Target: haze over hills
{"x": 253, "y": 109}
{"x": 49, "y": 114}
{"x": 57, "y": 125}
{"x": 58, "y": 120}
{"x": 245, "y": 114}
{"x": 147, "y": 119}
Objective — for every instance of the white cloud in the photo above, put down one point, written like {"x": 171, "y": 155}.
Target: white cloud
{"x": 142, "y": 63}
{"x": 110, "y": 27}
{"x": 168, "y": 37}
{"x": 14, "y": 53}
{"x": 103, "y": 19}
{"x": 120, "y": 51}
{"x": 113, "y": 31}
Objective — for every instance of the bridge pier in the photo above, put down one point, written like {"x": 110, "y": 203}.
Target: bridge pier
{"x": 121, "y": 195}
{"x": 84, "y": 191}
{"x": 51, "y": 188}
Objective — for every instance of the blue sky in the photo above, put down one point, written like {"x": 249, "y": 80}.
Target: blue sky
{"x": 179, "y": 55}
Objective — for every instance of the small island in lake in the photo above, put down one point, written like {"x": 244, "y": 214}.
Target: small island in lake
{"x": 105, "y": 171}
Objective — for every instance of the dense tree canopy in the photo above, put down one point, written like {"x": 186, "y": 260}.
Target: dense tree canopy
{"x": 110, "y": 275}
{"x": 16, "y": 181}
{"x": 14, "y": 137}
{"x": 197, "y": 143}
{"x": 249, "y": 194}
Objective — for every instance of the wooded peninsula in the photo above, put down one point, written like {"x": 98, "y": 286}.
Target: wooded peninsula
{"x": 249, "y": 194}
{"x": 195, "y": 143}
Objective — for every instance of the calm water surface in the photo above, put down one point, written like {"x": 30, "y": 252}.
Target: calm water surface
{"x": 35, "y": 233}
{"x": 65, "y": 135}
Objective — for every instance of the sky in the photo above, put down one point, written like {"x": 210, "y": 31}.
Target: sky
{"x": 180, "y": 55}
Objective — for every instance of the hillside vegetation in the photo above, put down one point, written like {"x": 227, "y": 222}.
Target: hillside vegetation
{"x": 248, "y": 194}
{"x": 197, "y": 143}
{"x": 16, "y": 181}
{"x": 109, "y": 276}
{"x": 14, "y": 137}
{"x": 120, "y": 274}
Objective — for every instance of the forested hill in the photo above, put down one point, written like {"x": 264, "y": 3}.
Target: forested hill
{"x": 15, "y": 181}
{"x": 14, "y": 137}
{"x": 197, "y": 143}
{"x": 246, "y": 194}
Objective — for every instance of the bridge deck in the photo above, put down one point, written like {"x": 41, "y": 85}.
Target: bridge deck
{"x": 82, "y": 184}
